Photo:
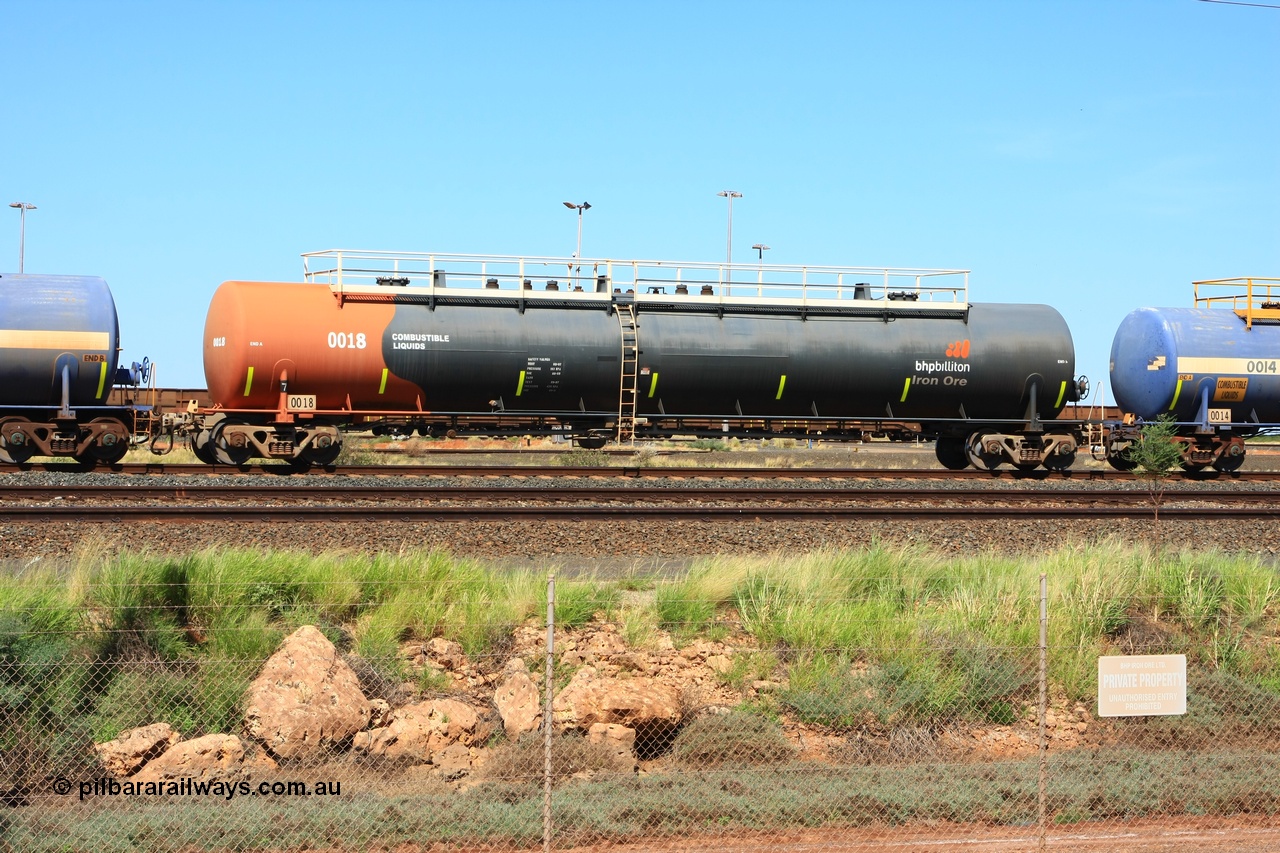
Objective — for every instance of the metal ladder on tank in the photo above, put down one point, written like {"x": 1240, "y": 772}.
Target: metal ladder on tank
{"x": 627, "y": 382}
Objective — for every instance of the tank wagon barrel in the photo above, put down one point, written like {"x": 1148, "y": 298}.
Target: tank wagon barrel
{"x": 59, "y": 360}
{"x": 611, "y": 349}
{"x": 1213, "y": 369}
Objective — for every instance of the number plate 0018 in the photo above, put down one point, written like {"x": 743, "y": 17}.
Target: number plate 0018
{"x": 301, "y": 402}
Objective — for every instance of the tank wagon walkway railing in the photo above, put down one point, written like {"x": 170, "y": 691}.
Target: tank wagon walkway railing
{"x": 355, "y": 270}
{"x": 1253, "y": 299}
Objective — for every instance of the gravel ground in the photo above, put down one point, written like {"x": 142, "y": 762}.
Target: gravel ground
{"x": 629, "y": 545}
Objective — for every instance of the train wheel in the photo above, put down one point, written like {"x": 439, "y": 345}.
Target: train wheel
{"x": 1119, "y": 461}
{"x": 202, "y": 440}
{"x": 225, "y": 454}
{"x": 982, "y": 458}
{"x": 324, "y": 456}
{"x": 106, "y": 454}
{"x": 1226, "y": 464}
{"x": 951, "y": 453}
{"x": 1060, "y": 461}
{"x": 1231, "y": 457}
{"x": 590, "y": 442}
{"x": 16, "y": 453}
{"x": 202, "y": 446}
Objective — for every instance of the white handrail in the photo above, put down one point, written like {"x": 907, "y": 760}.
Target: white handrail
{"x": 343, "y": 269}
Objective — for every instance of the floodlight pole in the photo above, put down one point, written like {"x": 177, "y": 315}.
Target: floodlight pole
{"x": 22, "y": 208}
{"x": 579, "y": 208}
{"x": 728, "y": 259}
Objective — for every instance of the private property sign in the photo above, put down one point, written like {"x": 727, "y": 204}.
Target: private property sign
{"x": 1142, "y": 685}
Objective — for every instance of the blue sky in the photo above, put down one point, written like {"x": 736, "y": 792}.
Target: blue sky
{"x": 1095, "y": 156}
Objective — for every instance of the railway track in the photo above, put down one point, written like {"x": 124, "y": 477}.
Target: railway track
{"x": 635, "y": 472}
{"x": 120, "y": 504}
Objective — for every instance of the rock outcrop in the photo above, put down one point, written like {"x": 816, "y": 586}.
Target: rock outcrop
{"x": 210, "y": 758}
{"x": 306, "y": 698}
{"x": 417, "y": 732}
{"x": 645, "y": 704}
{"x": 620, "y": 742}
{"x": 518, "y": 701}
{"x": 132, "y": 749}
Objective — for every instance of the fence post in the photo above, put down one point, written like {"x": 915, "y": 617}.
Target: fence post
{"x": 1044, "y": 705}
{"x": 548, "y": 690}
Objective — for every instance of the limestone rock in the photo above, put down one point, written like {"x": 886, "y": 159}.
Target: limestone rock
{"x": 452, "y": 761}
{"x": 132, "y": 749}
{"x": 416, "y": 732}
{"x": 619, "y": 740}
{"x": 518, "y": 703}
{"x": 604, "y": 643}
{"x": 208, "y": 758}
{"x": 445, "y": 654}
{"x": 305, "y": 699}
{"x": 640, "y": 703}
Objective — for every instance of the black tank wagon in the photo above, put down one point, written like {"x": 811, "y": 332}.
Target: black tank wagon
{"x": 620, "y": 349}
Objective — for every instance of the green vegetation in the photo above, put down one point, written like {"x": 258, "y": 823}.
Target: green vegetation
{"x": 507, "y": 814}
{"x": 890, "y": 635}
{"x": 885, "y": 648}
{"x": 1156, "y": 452}
{"x": 583, "y": 458}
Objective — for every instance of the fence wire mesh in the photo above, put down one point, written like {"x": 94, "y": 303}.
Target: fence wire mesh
{"x": 837, "y": 710}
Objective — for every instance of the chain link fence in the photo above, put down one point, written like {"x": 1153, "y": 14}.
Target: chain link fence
{"x": 739, "y": 708}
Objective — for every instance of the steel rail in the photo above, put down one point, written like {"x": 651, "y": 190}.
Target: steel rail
{"x": 403, "y": 495}
{"x": 635, "y": 472}
{"x": 381, "y": 514}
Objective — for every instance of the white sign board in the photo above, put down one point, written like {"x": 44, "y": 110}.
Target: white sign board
{"x": 1142, "y": 685}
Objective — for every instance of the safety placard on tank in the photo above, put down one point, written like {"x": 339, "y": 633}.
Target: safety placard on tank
{"x": 1230, "y": 390}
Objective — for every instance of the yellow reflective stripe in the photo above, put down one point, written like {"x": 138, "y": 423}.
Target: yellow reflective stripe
{"x": 248, "y": 382}
{"x": 520, "y": 386}
{"x": 906, "y": 386}
{"x": 782, "y": 383}
{"x": 102, "y": 379}
{"x": 1176, "y": 392}
{"x": 653, "y": 384}
{"x": 1062, "y": 392}
{"x": 382, "y": 389}
{"x": 37, "y": 339}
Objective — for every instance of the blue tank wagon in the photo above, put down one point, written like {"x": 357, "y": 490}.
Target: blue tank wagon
{"x": 1214, "y": 369}
{"x": 59, "y": 348}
